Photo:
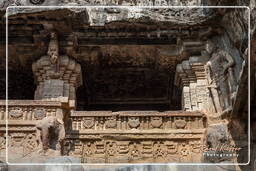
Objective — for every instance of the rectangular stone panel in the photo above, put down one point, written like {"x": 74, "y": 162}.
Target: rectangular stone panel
{"x": 53, "y": 89}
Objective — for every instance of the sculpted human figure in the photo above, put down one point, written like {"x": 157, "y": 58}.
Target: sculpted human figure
{"x": 53, "y": 53}
{"x": 221, "y": 81}
{"x": 52, "y": 133}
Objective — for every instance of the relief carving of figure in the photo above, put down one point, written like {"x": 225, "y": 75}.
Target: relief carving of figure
{"x": 53, "y": 53}
{"x": 221, "y": 81}
{"x": 52, "y": 133}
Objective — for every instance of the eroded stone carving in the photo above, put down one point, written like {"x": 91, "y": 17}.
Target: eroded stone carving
{"x": 16, "y": 112}
{"x": 39, "y": 113}
{"x": 88, "y": 122}
{"x": 56, "y": 75}
{"x": 111, "y": 122}
{"x": 156, "y": 122}
{"x": 146, "y": 120}
{"x": 131, "y": 150}
{"x": 52, "y": 133}
{"x": 222, "y": 83}
{"x": 191, "y": 78}
{"x": 133, "y": 122}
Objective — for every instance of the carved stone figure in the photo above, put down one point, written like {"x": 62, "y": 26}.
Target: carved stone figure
{"x": 53, "y": 54}
{"x": 56, "y": 75}
{"x": 220, "y": 77}
{"x": 52, "y": 133}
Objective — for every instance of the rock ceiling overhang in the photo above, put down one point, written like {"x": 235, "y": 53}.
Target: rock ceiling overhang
{"x": 100, "y": 16}
{"x": 93, "y": 27}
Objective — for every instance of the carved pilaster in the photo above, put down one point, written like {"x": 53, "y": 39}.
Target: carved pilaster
{"x": 191, "y": 78}
{"x": 57, "y": 76}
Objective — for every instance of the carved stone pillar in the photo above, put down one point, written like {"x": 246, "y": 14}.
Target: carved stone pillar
{"x": 57, "y": 76}
{"x": 191, "y": 78}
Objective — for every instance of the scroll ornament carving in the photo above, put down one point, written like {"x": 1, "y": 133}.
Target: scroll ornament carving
{"x": 39, "y": 113}
{"x": 135, "y": 151}
{"x": 196, "y": 145}
{"x": 172, "y": 147}
{"x": 88, "y": 122}
{"x": 156, "y": 122}
{"x": 16, "y": 112}
{"x": 159, "y": 150}
{"x": 111, "y": 148}
{"x": 30, "y": 143}
{"x": 123, "y": 147}
{"x": 133, "y": 122}
{"x": 180, "y": 124}
{"x": 111, "y": 122}
{"x": 184, "y": 150}
{"x": 88, "y": 149}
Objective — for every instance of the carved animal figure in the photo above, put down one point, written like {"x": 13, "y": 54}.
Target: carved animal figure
{"x": 52, "y": 133}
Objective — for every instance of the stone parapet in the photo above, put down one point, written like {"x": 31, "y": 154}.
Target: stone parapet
{"x": 132, "y": 120}
{"x": 136, "y": 136}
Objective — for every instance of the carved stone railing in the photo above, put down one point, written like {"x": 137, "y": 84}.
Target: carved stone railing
{"x": 135, "y": 120}
{"x": 130, "y": 136}
{"x": 29, "y": 110}
{"x": 22, "y": 117}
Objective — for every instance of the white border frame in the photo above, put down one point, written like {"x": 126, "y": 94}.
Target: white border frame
{"x": 128, "y": 164}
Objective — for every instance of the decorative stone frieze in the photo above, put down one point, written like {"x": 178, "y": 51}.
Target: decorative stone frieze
{"x": 136, "y": 151}
{"x": 135, "y": 136}
{"x": 30, "y": 110}
{"x": 85, "y": 121}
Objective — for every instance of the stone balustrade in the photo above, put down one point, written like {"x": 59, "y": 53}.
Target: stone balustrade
{"x": 132, "y": 120}
{"x": 133, "y": 136}
{"x": 29, "y": 110}
{"x": 21, "y": 119}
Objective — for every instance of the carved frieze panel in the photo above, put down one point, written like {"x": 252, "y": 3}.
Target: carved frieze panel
{"x": 30, "y": 109}
{"x": 133, "y": 122}
{"x": 88, "y": 122}
{"x": 39, "y": 113}
{"x": 152, "y": 150}
{"x": 156, "y": 122}
{"x": 15, "y": 113}
{"x": 111, "y": 122}
{"x": 82, "y": 120}
{"x": 25, "y": 141}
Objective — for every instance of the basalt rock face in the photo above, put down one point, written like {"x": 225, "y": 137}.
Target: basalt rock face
{"x": 114, "y": 78}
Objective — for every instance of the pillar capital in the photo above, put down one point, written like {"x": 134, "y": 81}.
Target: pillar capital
{"x": 57, "y": 76}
